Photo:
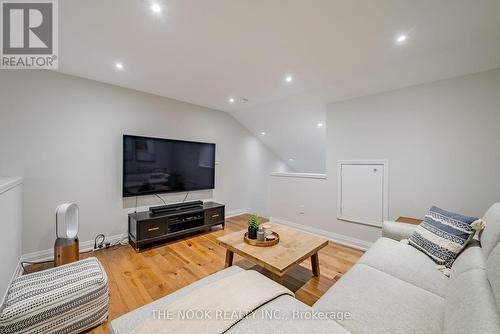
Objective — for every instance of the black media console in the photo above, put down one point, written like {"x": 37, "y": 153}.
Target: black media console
{"x": 162, "y": 223}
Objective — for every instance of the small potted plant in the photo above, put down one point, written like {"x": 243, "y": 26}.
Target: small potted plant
{"x": 253, "y": 226}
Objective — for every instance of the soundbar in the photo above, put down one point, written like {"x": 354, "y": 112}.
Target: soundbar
{"x": 176, "y": 207}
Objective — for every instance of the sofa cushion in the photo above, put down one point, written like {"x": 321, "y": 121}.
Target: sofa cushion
{"x": 470, "y": 307}
{"x": 397, "y": 231}
{"x": 258, "y": 323}
{"x": 406, "y": 263}
{"x": 443, "y": 235}
{"x": 493, "y": 273}
{"x": 274, "y": 318}
{"x": 471, "y": 258}
{"x": 381, "y": 303}
{"x": 127, "y": 322}
{"x": 490, "y": 236}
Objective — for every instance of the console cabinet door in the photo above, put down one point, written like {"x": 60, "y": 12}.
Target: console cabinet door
{"x": 214, "y": 215}
{"x": 151, "y": 229}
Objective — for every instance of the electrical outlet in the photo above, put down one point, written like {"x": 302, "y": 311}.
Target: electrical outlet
{"x": 302, "y": 209}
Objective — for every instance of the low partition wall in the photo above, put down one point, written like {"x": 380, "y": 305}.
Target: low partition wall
{"x": 11, "y": 225}
{"x": 308, "y": 202}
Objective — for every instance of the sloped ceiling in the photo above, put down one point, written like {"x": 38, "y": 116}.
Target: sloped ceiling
{"x": 204, "y": 52}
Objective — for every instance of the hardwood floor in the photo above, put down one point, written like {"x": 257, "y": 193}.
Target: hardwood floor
{"x": 136, "y": 279}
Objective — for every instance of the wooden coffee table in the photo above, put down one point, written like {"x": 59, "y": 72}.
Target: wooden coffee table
{"x": 294, "y": 247}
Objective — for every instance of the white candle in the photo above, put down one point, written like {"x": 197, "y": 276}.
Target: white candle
{"x": 267, "y": 229}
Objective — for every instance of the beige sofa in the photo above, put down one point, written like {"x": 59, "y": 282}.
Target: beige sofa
{"x": 392, "y": 289}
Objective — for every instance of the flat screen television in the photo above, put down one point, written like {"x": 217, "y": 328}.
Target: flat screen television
{"x": 154, "y": 165}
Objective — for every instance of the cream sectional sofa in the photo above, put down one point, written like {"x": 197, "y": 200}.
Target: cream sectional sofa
{"x": 393, "y": 288}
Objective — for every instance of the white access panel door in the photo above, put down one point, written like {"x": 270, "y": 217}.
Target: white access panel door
{"x": 362, "y": 192}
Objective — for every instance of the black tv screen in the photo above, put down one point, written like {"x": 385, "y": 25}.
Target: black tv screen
{"x": 154, "y": 165}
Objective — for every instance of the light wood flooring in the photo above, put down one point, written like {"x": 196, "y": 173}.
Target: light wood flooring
{"x": 136, "y": 279}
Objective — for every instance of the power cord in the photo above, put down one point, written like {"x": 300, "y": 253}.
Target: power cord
{"x": 161, "y": 199}
{"x": 185, "y": 197}
{"x": 99, "y": 241}
{"x": 121, "y": 242}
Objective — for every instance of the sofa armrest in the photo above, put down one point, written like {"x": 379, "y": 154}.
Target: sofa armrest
{"x": 397, "y": 231}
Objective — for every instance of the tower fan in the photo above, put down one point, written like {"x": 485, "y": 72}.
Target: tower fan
{"x": 66, "y": 248}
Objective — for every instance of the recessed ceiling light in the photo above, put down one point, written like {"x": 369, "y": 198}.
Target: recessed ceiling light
{"x": 291, "y": 159}
{"x": 156, "y": 8}
{"x": 263, "y": 133}
{"x": 289, "y": 78}
{"x": 401, "y": 38}
{"x": 320, "y": 125}
{"x": 119, "y": 66}
{"x": 231, "y": 100}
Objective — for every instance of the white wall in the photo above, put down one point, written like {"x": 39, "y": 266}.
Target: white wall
{"x": 291, "y": 130}
{"x": 63, "y": 134}
{"x": 442, "y": 141}
{"x": 11, "y": 227}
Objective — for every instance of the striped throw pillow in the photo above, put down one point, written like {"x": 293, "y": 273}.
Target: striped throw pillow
{"x": 442, "y": 235}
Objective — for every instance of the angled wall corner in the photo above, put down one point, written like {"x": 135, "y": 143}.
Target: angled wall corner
{"x": 291, "y": 130}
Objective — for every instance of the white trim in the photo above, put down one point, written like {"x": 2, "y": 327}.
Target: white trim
{"x": 85, "y": 246}
{"x": 385, "y": 190}
{"x": 17, "y": 272}
{"x": 7, "y": 183}
{"x": 42, "y": 255}
{"x": 300, "y": 175}
{"x": 236, "y": 212}
{"x": 359, "y": 221}
{"x": 336, "y": 238}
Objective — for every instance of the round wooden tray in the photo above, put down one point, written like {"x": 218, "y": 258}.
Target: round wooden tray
{"x": 255, "y": 242}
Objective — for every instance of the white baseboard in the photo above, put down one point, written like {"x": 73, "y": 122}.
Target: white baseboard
{"x": 337, "y": 238}
{"x": 85, "y": 246}
{"x": 17, "y": 272}
{"x": 42, "y": 255}
{"x": 236, "y": 212}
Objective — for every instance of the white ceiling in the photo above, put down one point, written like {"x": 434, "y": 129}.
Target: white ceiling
{"x": 204, "y": 52}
